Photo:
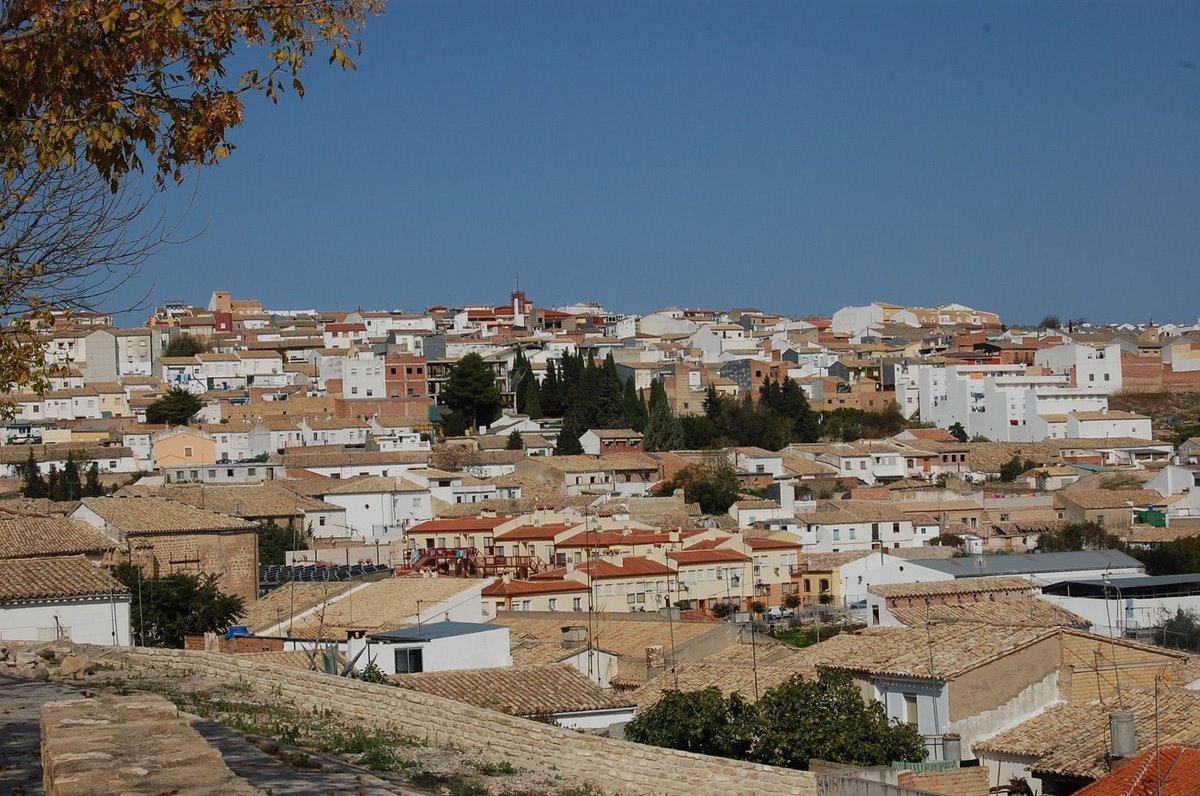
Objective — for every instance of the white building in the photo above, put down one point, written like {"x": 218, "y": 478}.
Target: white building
{"x": 46, "y": 599}
{"x": 435, "y": 647}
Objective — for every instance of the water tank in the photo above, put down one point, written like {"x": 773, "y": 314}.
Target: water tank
{"x": 1124, "y": 740}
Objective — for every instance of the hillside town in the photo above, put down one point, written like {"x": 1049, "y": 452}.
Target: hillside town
{"x": 572, "y": 515}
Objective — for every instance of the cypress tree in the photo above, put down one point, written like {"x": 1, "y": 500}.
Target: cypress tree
{"x": 35, "y": 485}
{"x": 795, "y": 406}
{"x": 551, "y": 392}
{"x": 71, "y": 487}
{"x": 92, "y": 487}
{"x": 54, "y": 484}
{"x": 663, "y": 432}
{"x": 658, "y": 394}
{"x": 587, "y": 407}
{"x": 568, "y": 440}
{"x": 635, "y": 408}
{"x": 610, "y": 409}
{"x": 533, "y": 399}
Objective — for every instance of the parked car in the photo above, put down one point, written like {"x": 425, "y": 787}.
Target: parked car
{"x": 858, "y": 605}
{"x": 779, "y": 613}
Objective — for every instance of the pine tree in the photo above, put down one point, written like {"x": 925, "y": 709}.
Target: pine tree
{"x": 634, "y": 407}
{"x": 568, "y": 440}
{"x": 92, "y": 487}
{"x": 35, "y": 485}
{"x": 663, "y": 431}
{"x": 770, "y": 394}
{"x": 71, "y": 488}
{"x": 515, "y": 443}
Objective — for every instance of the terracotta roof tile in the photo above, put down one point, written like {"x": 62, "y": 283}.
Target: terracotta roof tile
{"x": 51, "y": 578}
{"x": 519, "y": 691}
{"x": 31, "y": 537}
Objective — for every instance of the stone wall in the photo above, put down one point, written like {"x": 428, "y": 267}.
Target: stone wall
{"x": 614, "y": 766}
{"x": 232, "y": 556}
{"x": 86, "y": 749}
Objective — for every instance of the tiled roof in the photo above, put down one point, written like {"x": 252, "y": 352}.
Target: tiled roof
{"x": 685, "y": 557}
{"x": 373, "y": 484}
{"x": 271, "y": 499}
{"x": 534, "y": 532}
{"x": 518, "y": 691}
{"x": 51, "y": 578}
{"x": 31, "y": 537}
{"x": 380, "y": 606}
{"x": 827, "y": 562}
{"x": 617, "y": 634}
{"x": 940, "y": 588}
{"x": 274, "y": 608}
{"x": 938, "y": 652}
{"x": 1072, "y": 739}
{"x": 1112, "y": 498}
{"x": 728, "y": 678}
{"x": 159, "y": 515}
{"x": 502, "y": 588}
{"x": 1017, "y": 612}
{"x": 1166, "y": 770}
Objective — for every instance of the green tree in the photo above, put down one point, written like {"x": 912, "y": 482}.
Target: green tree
{"x": 92, "y": 486}
{"x": 515, "y": 443}
{"x": 533, "y": 400}
{"x": 54, "y": 484}
{"x": 704, "y": 722}
{"x": 274, "y": 541}
{"x": 453, "y": 424}
{"x": 791, "y": 601}
{"x": 551, "y": 392}
{"x": 663, "y": 430}
{"x": 568, "y": 440}
{"x": 71, "y": 486}
{"x": 1050, "y": 322}
{"x": 34, "y": 484}
{"x": 472, "y": 391}
{"x": 715, "y": 487}
{"x": 1179, "y": 631}
{"x": 634, "y": 407}
{"x": 184, "y": 345}
{"x": 758, "y": 608}
{"x": 794, "y": 405}
{"x": 1078, "y": 536}
{"x": 1178, "y": 557}
{"x": 958, "y": 432}
{"x": 163, "y": 609}
{"x": 827, "y": 718}
{"x": 610, "y": 397}
{"x": 176, "y": 407}
{"x": 1015, "y": 467}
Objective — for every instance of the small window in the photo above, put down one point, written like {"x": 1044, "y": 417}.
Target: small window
{"x": 409, "y": 660}
{"x": 553, "y": 604}
{"x": 910, "y": 708}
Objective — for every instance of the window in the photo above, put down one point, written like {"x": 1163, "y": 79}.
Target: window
{"x": 910, "y": 708}
{"x": 1099, "y": 519}
{"x": 409, "y": 660}
{"x": 321, "y": 521}
{"x": 577, "y": 604}
{"x": 212, "y": 473}
{"x": 553, "y": 604}
{"x": 187, "y": 452}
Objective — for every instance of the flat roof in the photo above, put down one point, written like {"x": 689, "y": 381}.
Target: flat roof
{"x": 1031, "y": 563}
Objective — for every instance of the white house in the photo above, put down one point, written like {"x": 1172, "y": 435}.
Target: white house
{"x": 379, "y": 507}
{"x": 46, "y": 599}
{"x": 435, "y": 647}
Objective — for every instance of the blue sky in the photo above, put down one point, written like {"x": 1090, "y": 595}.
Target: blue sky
{"x": 1025, "y": 157}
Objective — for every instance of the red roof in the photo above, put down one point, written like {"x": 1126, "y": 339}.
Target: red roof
{"x": 459, "y": 524}
{"x": 501, "y": 589}
{"x": 345, "y": 327}
{"x": 706, "y": 556}
{"x": 600, "y": 569}
{"x": 533, "y": 532}
{"x": 1178, "y": 766}
{"x": 763, "y": 543}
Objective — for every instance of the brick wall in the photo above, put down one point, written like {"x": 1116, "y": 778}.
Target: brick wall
{"x": 197, "y": 642}
{"x": 951, "y": 782}
{"x": 615, "y": 766}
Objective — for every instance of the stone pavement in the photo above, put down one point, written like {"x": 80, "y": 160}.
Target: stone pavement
{"x": 21, "y": 703}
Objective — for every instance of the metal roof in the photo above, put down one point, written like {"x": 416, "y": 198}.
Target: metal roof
{"x": 433, "y": 630}
{"x": 1031, "y": 563}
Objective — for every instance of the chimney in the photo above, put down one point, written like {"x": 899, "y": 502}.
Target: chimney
{"x": 1124, "y": 739}
{"x": 506, "y": 577}
{"x": 656, "y": 659}
{"x": 951, "y": 747}
{"x": 574, "y": 636}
